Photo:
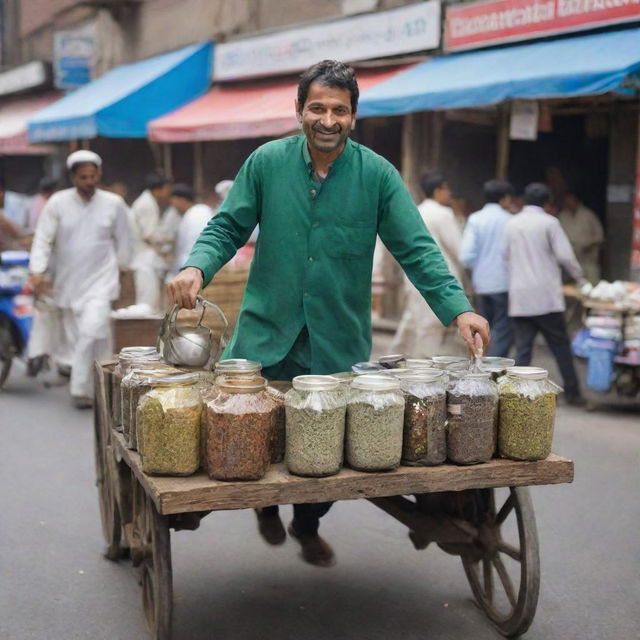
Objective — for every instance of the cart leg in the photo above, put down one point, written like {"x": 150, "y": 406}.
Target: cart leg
{"x": 156, "y": 576}
{"x": 106, "y": 470}
{"x": 503, "y": 564}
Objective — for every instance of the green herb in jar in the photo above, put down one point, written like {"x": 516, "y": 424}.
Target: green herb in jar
{"x": 525, "y": 430}
{"x": 169, "y": 420}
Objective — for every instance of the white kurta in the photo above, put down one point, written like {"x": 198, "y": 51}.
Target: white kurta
{"x": 420, "y": 333}
{"x": 150, "y": 226}
{"x": 191, "y": 226}
{"x": 585, "y": 235}
{"x": 85, "y": 243}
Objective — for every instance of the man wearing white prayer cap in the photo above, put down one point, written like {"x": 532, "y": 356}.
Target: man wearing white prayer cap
{"x": 81, "y": 240}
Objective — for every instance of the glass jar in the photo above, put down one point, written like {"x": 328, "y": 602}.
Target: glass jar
{"x": 132, "y": 387}
{"x": 419, "y": 363}
{"x": 365, "y": 368}
{"x": 127, "y": 358}
{"x": 425, "y": 418}
{"x": 472, "y": 408}
{"x": 394, "y": 361}
{"x": 277, "y": 391}
{"x": 442, "y": 362}
{"x": 375, "y": 418}
{"x": 168, "y": 425}
{"x": 238, "y": 422}
{"x": 496, "y": 366}
{"x": 237, "y": 368}
{"x": 527, "y": 413}
{"x": 316, "y": 409}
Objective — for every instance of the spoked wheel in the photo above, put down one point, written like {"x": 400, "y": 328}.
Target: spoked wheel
{"x": 503, "y": 565}
{"x": 106, "y": 472}
{"x": 155, "y": 564}
{"x": 7, "y": 351}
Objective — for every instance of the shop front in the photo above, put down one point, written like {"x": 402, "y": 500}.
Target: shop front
{"x": 562, "y": 111}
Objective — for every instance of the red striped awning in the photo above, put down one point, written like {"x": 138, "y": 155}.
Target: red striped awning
{"x": 14, "y": 115}
{"x": 248, "y": 110}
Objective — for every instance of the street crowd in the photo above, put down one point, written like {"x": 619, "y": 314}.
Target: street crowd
{"x": 515, "y": 248}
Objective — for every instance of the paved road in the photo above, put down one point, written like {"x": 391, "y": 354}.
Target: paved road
{"x": 54, "y": 584}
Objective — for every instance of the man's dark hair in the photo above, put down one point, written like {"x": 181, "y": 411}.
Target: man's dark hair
{"x": 155, "y": 180}
{"x": 329, "y": 73}
{"x": 47, "y": 185}
{"x": 495, "y": 190}
{"x": 537, "y": 194}
{"x": 430, "y": 182}
{"x": 183, "y": 191}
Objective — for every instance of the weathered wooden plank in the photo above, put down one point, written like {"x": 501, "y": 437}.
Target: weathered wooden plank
{"x": 199, "y": 493}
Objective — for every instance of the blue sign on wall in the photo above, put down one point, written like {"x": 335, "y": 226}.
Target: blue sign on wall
{"x": 74, "y": 53}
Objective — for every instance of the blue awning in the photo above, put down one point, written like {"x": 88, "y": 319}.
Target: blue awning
{"x": 120, "y": 103}
{"x": 577, "y": 66}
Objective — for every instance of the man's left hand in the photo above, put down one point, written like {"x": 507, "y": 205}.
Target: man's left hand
{"x": 471, "y": 324}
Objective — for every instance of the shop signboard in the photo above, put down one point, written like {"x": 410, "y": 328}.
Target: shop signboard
{"x": 523, "y": 124}
{"x": 27, "y": 76}
{"x": 385, "y": 33}
{"x": 635, "y": 234}
{"x": 74, "y": 56}
{"x": 479, "y": 24}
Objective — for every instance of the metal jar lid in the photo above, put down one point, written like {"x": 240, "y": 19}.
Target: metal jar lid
{"x": 528, "y": 373}
{"x": 376, "y": 383}
{"x": 316, "y": 383}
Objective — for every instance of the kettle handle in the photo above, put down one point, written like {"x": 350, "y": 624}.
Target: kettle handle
{"x": 224, "y": 338}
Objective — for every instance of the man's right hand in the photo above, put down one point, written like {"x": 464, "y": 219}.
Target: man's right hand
{"x": 40, "y": 283}
{"x": 184, "y": 288}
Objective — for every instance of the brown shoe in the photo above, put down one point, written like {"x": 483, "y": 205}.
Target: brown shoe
{"x": 82, "y": 402}
{"x": 315, "y": 550}
{"x": 270, "y": 528}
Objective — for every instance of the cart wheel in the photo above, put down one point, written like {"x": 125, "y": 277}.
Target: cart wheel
{"x": 506, "y": 549}
{"x": 156, "y": 578}
{"x": 7, "y": 351}
{"x": 106, "y": 474}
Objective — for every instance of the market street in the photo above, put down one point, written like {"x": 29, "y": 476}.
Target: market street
{"x": 228, "y": 584}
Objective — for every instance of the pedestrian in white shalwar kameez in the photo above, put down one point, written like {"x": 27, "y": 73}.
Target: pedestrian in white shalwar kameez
{"x": 155, "y": 226}
{"x": 420, "y": 333}
{"x": 85, "y": 233}
{"x": 193, "y": 219}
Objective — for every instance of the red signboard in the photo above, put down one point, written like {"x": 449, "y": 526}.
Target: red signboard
{"x": 479, "y": 24}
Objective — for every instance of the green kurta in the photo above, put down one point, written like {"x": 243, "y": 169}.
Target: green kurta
{"x": 314, "y": 254}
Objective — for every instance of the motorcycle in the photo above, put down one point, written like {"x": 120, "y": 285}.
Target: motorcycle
{"x": 16, "y": 308}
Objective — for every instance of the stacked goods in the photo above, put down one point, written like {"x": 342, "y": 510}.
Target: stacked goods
{"x": 527, "y": 413}
{"x": 472, "y": 407}
{"x": 168, "y": 419}
{"x": 375, "y": 419}
{"x": 425, "y": 418}
{"x": 239, "y": 426}
{"x": 315, "y": 424}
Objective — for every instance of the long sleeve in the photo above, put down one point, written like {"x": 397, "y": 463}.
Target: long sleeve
{"x": 468, "y": 246}
{"x": 43, "y": 239}
{"x": 404, "y": 233}
{"x": 562, "y": 250}
{"x": 122, "y": 235}
{"x": 231, "y": 227}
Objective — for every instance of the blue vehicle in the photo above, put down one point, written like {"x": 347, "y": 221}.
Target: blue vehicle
{"x": 16, "y": 308}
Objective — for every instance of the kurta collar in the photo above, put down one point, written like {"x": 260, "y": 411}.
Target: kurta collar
{"x": 341, "y": 159}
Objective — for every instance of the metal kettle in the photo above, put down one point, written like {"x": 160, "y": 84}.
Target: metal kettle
{"x": 191, "y": 346}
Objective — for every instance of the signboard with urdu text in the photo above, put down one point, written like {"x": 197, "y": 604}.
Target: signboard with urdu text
{"x": 74, "y": 56}
{"x": 479, "y": 24}
{"x": 405, "y": 30}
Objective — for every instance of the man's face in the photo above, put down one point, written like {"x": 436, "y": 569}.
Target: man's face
{"x": 327, "y": 118}
{"x": 506, "y": 203}
{"x": 181, "y": 204}
{"x": 163, "y": 194}
{"x": 85, "y": 179}
{"x": 442, "y": 195}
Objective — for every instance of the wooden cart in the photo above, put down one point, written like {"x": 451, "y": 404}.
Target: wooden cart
{"x": 452, "y": 506}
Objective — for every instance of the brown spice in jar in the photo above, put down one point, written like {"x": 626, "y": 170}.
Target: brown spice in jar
{"x": 238, "y": 444}
{"x": 278, "y": 416}
{"x": 424, "y": 439}
{"x": 472, "y": 428}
